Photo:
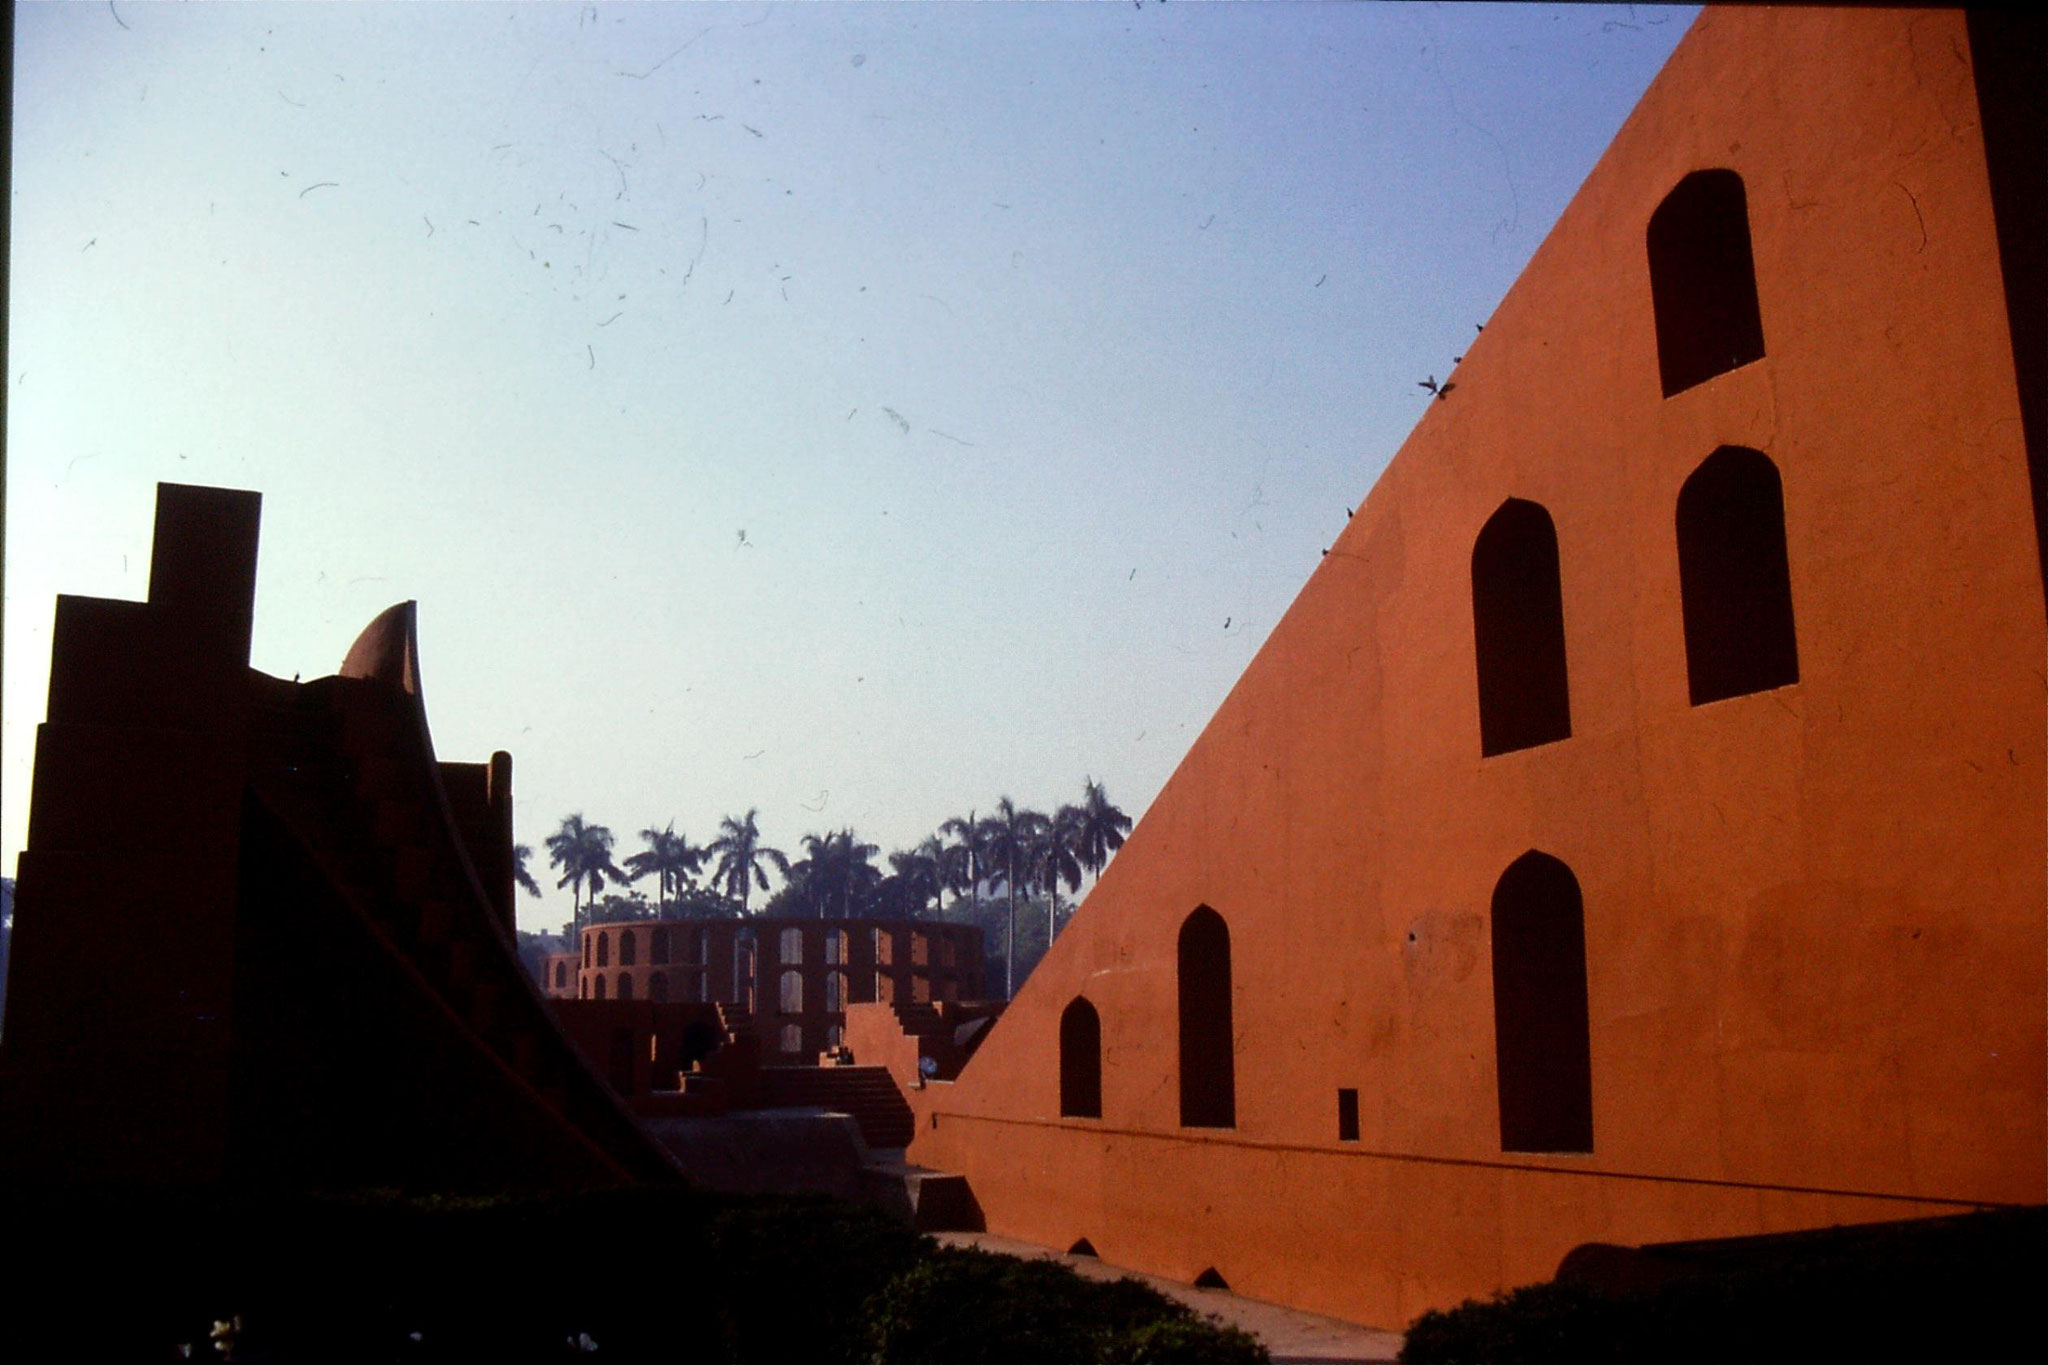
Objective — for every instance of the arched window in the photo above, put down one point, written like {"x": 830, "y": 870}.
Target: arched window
{"x": 629, "y": 948}
{"x": 597, "y": 988}
{"x": 1208, "y": 1081}
{"x": 657, "y": 947}
{"x": 1733, "y": 580}
{"x": 583, "y": 989}
{"x": 1542, "y": 1038}
{"x": 1518, "y": 631}
{"x": 561, "y": 975}
{"x": 835, "y": 946}
{"x": 657, "y": 987}
{"x": 835, "y": 992}
{"x": 625, "y": 985}
{"x": 586, "y": 950}
{"x": 792, "y": 988}
{"x": 792, "y": 945}
{"x": 834, "y": 1035}
{"x": 1703, "y": 281}
{"x": 792, "y": 1038}
{"x": 604, "y": 950}
{"x": 1081, "y": 1061}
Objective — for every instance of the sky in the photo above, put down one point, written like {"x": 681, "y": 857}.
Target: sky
{"x": 856, "y": 411}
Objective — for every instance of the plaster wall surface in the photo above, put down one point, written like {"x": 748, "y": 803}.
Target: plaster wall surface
{"x": 1813, "y": 915}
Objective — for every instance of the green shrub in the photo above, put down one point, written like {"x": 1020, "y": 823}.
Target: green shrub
{"x": 642, "y": 1275}
{"x": 966, "y": 1307}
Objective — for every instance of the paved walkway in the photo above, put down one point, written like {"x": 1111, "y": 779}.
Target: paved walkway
{"x": 1294, "y": 1337}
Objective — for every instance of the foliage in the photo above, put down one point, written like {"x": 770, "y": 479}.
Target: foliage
{"x": 671, "y": 858}
{"x": 615, "y": 909}
{"x": 377, "y": 1276}
{"x": 700, "y": 902}
{"x": 836, "y": 877}
{"x": 965, "y": 1307}
{"x": 740, "y": 857}
{"x": 1937, "y": 1289}
{"x": 1023, "y": 854}
{"x": 521, "y": 855}
{"x": 1007, "y": 838}
{"x": 584, "y": 853}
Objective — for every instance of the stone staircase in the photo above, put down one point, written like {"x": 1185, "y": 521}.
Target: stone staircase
{"x": 868, "y": 1093}
{"x": 736, "y": 1020}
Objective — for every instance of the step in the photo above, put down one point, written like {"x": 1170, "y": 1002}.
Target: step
{"x": 929, "y": 1200}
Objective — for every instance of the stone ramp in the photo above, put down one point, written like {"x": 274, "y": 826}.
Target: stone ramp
{"x": 1293, "y": 1337}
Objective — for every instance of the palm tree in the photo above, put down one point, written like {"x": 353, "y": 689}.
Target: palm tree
{"x": 1006, "y": 840}
{"x": 922, "y": 870}
{"x": 520, "y": 854}
{"x": 836, "y": 867}
{"x": 672, "y": 858}
{"x": 1102, "y": 828}
{"x": 1057, "y": 857}
{"x": 964, "y": 858}
{"x": 584, "y": 853}
{"x": 740, "y": 853}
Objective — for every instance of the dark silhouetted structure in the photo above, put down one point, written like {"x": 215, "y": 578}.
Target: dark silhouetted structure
{"x": 315, "y": 984}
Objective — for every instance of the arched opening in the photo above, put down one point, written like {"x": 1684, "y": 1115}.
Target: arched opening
{"x": 792, "y": 993}
{"x": 792, "y": 1038}
{"x": 597, "y": 988}
{"x": 583, "y": 990}
{"x": 561, "y": 975}
{"x": 1542, "y": 1037}
{"x": 792, "y": 945}
{"x": 835, "y": 992}
{"x": 1734, "y": 583}
{"x": 586, "y": 953}
{"x": 1208, "y": 1081}
{"x": 657, "y": 948}
{"x": 657, "y": 988}
{"x": 629, "y": 948}
{"x": 604, "y": 950}
{"x": 1703, "y": 281}
{"x": 625, "y": 985}
{"x": 1080, "y": 1060}
{"x": 1518, "y": 631}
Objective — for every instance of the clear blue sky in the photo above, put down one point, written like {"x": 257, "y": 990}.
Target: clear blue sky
{"x": 856, "y": 411}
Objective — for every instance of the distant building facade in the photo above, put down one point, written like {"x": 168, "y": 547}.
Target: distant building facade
{"x": 794, "y": 976}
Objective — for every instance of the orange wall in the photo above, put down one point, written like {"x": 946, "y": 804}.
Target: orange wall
{"x": 1814, "y": 915}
